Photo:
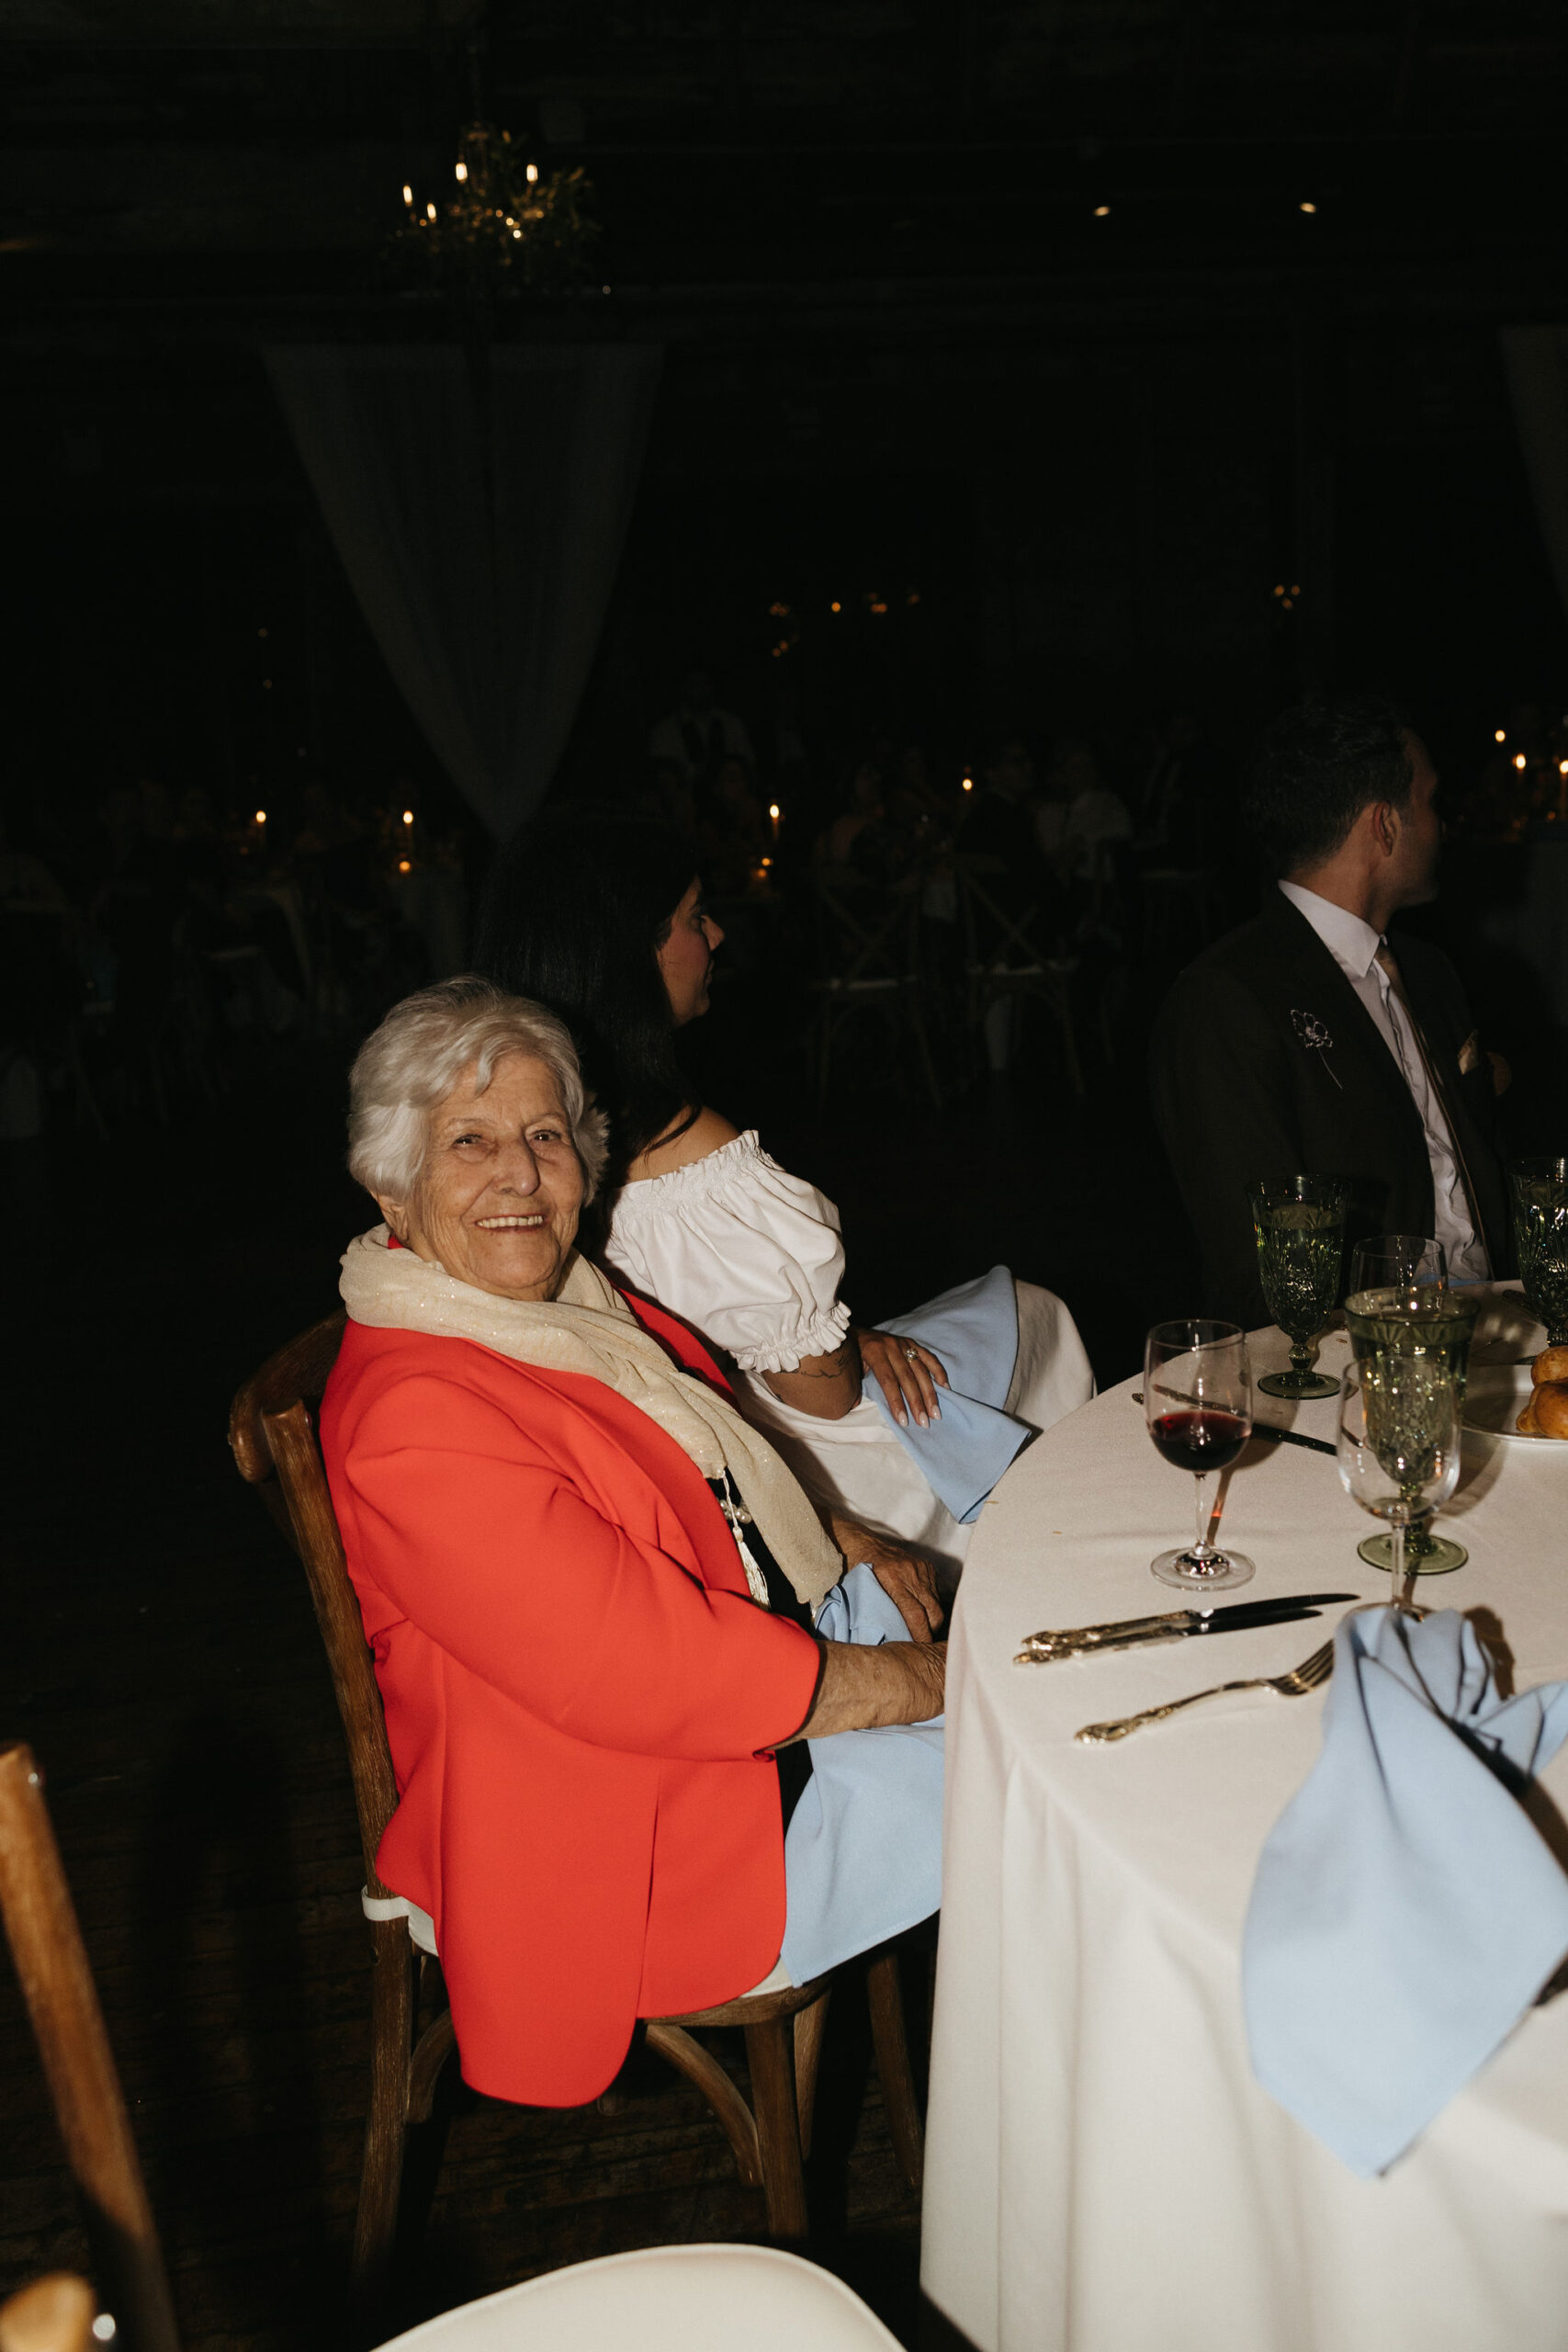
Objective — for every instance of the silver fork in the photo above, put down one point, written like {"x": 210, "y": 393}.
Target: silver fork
{"x": 1294, "y": 1685}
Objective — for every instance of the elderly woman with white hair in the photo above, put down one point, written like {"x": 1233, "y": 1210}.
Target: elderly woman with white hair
{"x": 565, "y": 1540}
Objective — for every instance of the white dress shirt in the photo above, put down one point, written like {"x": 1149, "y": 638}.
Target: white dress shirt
{"x": 1354, "y": 946}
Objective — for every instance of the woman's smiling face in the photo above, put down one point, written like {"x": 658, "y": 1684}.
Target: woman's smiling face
{"x": 496, "y": 1200}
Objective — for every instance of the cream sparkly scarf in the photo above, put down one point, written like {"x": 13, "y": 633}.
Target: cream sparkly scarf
{"x": 588, "y": 1328}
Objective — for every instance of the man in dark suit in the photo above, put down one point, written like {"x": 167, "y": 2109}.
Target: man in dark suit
{"x": 1308, "y": 1043}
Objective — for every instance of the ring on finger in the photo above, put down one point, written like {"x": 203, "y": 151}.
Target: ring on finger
{"x": 913, "y": 1354}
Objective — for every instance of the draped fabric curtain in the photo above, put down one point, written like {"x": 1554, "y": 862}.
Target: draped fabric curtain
{"x": 1537, "y": 362}
{"x": 479, "y": 503}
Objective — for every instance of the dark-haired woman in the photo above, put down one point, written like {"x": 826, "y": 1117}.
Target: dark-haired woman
{"x": 601, "y": 919}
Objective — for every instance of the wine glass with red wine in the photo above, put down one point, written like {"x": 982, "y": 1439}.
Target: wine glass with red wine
{"x": 1198, "y": 1404}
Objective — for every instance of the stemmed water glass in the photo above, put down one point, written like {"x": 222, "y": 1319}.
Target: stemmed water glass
{"x": 1198, "y": 1406}
{"x": 1299, "y": 1225}
{"x": 1540, "y": 1188}
{"x": 1398, "y": 1261}
{"x": 1398, "y": 1445}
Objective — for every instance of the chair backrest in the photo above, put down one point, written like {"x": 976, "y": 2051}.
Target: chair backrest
{"x": 994, "y": 936}
{"x": 62, "y": 2002}
{"x": 272, "y": 1431}
{"x": 865, "y": 931}
{"x": 665, "y": 2299}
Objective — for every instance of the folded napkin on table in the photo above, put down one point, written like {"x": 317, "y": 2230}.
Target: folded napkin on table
{"x": 974, "y": 1329}
{"x": 863, "y": 1852}
{"x": 1406, "y": 1910}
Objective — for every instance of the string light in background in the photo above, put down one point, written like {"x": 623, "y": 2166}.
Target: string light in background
{"x": 835, "y": 608}
{"x": 1306, "y": 207}
{"x": 1501, "y": 736}
{"x": 1102, "y": 212}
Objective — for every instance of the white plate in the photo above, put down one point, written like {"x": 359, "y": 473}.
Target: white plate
{"x": 1495, "y": 1397}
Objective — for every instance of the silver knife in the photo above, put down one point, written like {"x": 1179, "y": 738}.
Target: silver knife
{"x": 1177, "y": 1626}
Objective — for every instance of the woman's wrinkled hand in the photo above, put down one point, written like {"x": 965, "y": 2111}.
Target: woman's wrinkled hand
{"x": 908, "y": 1580}
{"x": 866, "y": 1689}
{"x": 908, "y": 1374}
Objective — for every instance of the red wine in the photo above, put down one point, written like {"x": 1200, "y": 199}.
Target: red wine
{"x": 1208, "y": 1440}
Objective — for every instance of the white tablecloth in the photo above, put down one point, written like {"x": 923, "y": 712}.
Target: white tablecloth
{"x": 1102, "y": 2173}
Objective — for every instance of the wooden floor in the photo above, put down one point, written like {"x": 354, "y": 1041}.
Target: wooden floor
{"x": 159, "y": 1655}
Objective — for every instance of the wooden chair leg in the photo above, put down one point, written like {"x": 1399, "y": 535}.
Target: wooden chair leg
{"x": 674, "y": 2044}
{"x": 386, "y": 2123}
{"x": 886, "y": 1999}
{"x": 810, "y": 2027}
{"x": 770, "y": 2054}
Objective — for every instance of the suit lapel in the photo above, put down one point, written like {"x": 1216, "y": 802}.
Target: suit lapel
{"x": 1323, "y": 983}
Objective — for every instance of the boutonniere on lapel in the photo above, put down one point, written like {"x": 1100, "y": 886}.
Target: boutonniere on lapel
{"x": 1315, "y": 1036}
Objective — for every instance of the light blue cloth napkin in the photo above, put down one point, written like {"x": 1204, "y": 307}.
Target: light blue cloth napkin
{"x": 1406, "y": 1910}
{"x": 863, "y": 1852}
{"x": 974, "y": 1329}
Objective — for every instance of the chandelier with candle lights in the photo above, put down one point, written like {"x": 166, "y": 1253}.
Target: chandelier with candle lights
{"x": 506, "y": 229}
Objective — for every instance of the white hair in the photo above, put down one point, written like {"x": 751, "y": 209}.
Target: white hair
{"x": 420, "y": 1050}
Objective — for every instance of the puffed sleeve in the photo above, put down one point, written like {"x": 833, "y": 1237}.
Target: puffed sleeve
{"x": 746, "y": 1253}
{"x": 497, "y": 1558}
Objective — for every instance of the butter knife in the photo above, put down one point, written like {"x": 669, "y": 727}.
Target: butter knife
{"x": 1177, "y": 1626}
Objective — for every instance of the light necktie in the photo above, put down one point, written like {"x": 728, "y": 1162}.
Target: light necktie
{"x": 1389, "y": 962}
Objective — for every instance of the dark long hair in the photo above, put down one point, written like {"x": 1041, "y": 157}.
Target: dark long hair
{"x": 576, "y": 911}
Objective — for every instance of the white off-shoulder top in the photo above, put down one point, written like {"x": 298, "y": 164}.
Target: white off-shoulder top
{"x": 746, "y": 1253}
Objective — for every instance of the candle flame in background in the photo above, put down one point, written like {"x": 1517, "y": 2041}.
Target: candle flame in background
{"x": 403, "y": 865}
{"x": 773, "y": 810}
{"x": 532, "y": 173}
{"x": 407, "y": 816}
{"x": 835, "y": 608}
{"x": 430, "y": 211}
{"x": 1501, "y": 736}
{"x": 1518, "y": 759}
{"x": 1563, "y": 767}
{"x": 261, "y": 816}
{"x": 1308, "y": 207}
{"x": 1102, "y": 212}
{"x": 408, "y": 193}
{"x": 968, "y": 783}
{"x": 462, "y": 170}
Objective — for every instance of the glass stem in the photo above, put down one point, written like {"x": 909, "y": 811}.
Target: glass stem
{"x": 1397, "y": 1533}
{"x": 1200, "y": 1548}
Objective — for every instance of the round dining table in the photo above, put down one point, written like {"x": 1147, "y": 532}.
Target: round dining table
{"x": 1103, "y": 2172}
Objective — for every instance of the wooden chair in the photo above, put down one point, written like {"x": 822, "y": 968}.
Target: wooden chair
{"x": 1007, "y": 958}
{"x": 868, "y": 957}
{"x": 275, "y": 1445}
{"x": 57, "y": 1985}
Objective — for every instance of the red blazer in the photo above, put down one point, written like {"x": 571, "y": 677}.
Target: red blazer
{"x": 581, "y": 1698}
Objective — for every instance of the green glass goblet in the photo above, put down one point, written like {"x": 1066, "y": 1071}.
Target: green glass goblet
{"x": 1540, "y": 1188}
{"x": 1424, "y": 1323}
{"x": 1299, "y": 1225}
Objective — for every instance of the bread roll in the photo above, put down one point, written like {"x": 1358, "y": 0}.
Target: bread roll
{"x": 1551, "y": 1402}
{"x": 1526, "y": 1422}
{"x": 1551, "y": 1365}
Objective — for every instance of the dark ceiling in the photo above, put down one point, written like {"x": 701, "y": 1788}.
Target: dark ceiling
{"x": 228, "y": 148}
